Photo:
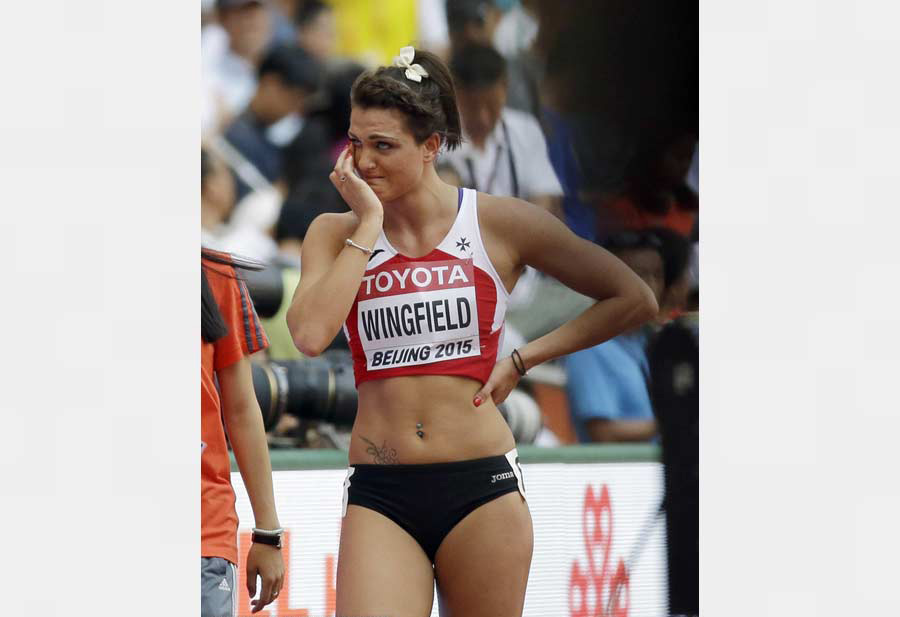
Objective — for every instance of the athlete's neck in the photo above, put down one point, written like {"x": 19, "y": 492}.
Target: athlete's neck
{"x": 431, "y": 201}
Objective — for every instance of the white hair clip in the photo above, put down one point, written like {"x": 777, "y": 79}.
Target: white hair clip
{"x": 414, "y": 72}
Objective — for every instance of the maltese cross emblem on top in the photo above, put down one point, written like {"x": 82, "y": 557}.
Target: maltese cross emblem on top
{"x": 461, "y": 244}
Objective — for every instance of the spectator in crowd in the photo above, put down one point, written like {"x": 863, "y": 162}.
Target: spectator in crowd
{"x": 656, "y": 191}
{"x": 476, "y": 22}
{"x": 249, "y": 29}
{"x": 284, "y": 16}
{"x": 213, "y": 46}
{"x": 560, "y": 133}
{"x": 310, "y": 158}
{"x": 290, "y": 231}
{"x": 335, "y": 108}
{"x": 223, "y": 225}
{"x": 607, "y": 384}
{"x": 504, "y": 152}
{"x": 288, "y": 76}
{"x": 588, "y": 148}
{"x": 309, "y": 201}
{"x": 317, "y": 30}
{"x": 216, "y": 197}
{"x": 617, "y": 76}
{"x": 471, "y": 21}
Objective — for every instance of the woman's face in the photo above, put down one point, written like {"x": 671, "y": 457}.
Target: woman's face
{"x": 385, "y": 152}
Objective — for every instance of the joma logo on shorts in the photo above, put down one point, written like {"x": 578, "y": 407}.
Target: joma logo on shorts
{"x": 502, "y": 476}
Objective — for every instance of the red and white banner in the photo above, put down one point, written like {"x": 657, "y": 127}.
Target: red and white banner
{"x": 599, "y": 546}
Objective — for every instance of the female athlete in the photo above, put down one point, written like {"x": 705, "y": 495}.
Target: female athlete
{"x": 418, "y": 275}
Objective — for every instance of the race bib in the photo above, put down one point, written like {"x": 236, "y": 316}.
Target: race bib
{"x": 418, "y": 313}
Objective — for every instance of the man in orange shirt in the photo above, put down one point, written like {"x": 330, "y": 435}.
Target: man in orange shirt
{"x": 230, "y": 332}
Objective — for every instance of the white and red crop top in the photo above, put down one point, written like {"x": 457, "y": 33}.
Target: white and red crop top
{"x": 439, "y": 314}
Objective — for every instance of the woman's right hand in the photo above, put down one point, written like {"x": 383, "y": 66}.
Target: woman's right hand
{"x": 354, "y": 190}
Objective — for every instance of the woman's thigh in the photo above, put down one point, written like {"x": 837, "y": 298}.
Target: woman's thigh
{"x": 482, "y": 565}
{"x": 381, "y": 569}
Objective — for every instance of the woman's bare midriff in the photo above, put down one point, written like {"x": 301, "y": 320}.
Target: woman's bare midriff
{"x": 392, "y": 413}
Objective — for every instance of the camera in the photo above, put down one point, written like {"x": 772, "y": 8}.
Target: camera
{"x": 320, "y": 388}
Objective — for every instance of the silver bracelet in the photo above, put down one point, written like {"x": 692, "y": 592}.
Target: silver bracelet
{"x": 350, "y": 242}
{"x": 269, "y": 532}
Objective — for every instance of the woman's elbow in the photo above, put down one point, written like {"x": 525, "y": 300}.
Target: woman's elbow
{"x": 305, "y": 337}
{"x": 309, "y": 343}
{"x": 645, "y": 304}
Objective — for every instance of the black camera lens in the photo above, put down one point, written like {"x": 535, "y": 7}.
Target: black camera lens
{"x": 320, "y": 388}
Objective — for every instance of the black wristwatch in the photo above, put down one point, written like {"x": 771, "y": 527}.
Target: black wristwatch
{"x": 265, "y": 538}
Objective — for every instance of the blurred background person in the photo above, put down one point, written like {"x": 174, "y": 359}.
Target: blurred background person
{"x": 334, "y": 101}
{"x": 618, "y": 76}
{"x": 216, "y": 198}
{"x": 504, "y": 151}
{"x": 288, "y": 77}
{"x": 479, "y": 22}
{"x": 607, "y": 383}
{"x": 284, "y": 17}
{"x": 254, "y": 146}
{"x": 310, "y": 158}
{"x": 219, "y": 228}
{"x": 656, "y": 192}
{"x": 245, "y": 26}
{"x": 471, "y": 21}
{"x": 213, "y": 46}
{"x": 317, "y": 30}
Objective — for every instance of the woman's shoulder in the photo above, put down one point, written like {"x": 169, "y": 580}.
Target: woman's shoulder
{"x": 508, "y": 225}
{"x": 496, "y": 203}
{"x": 507, "y": 212}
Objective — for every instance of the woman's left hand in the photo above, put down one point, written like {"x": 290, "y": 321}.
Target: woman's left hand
{"x": 267, "y": 562}
{"x": 503, "y": 379}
